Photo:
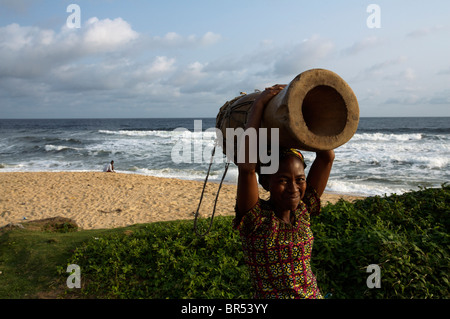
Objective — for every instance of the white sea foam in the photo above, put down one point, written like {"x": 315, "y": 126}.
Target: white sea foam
{"x": 5, "y": 167}
{"x": 361, "y": 188}
{"x": 50, "y": 148}
{"x": 176, "y": 173}
{"x": 164, "y": 134}
{"x": 371, "y": 163}
{"x": 383, "y": 137}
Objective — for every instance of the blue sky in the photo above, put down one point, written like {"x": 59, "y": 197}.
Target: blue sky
{"x": 186, "y": 58}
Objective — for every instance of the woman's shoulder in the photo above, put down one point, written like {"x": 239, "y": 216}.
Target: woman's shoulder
{"x": 312, "y": 201}
{"x": 255, "y": 215}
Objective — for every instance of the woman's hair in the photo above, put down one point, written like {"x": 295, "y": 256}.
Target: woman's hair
{"x": 263, "y": 179}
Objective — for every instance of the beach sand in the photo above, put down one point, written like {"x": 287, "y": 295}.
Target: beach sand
{"x": 107, "y": 200}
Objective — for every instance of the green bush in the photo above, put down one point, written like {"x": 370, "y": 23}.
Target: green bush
{"x": 166, "y": 260}
{"x": 406, "y": 235}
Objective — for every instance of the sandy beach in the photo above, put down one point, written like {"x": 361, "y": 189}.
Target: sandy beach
{"x": 107, "y": 200}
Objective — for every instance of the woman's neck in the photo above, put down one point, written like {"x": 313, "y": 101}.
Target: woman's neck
{"x": 284, "y": 216}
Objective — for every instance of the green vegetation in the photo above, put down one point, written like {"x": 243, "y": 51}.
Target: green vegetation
{"x": 166, "y": 260}
{"x": 29, "y": 257}
{"x": 406, "y": 235}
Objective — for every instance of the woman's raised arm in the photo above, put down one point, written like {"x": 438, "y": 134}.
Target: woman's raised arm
{"x": 247, "y": 190}
{"x": 320, "y": 171}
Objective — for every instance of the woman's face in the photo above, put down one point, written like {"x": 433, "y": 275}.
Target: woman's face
{"x": 287, "y": 187}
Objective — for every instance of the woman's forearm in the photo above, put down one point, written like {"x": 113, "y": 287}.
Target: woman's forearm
{"x": 320, "y": 170}
{"x": 254, "y": 122}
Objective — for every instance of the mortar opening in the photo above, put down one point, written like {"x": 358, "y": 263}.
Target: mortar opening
{"x": 324, "y": 111}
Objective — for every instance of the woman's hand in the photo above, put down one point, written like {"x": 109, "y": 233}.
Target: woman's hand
{"x": 268, "y": 94}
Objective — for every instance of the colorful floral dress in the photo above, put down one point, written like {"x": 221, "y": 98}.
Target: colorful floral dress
{"x": 278, "y": 254}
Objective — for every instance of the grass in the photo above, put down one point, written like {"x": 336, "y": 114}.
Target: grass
{"x": 31, "y": 256}
{"x": 406, "y": 235}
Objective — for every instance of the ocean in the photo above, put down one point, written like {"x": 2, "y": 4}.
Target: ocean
{"x": 385, "y": 156}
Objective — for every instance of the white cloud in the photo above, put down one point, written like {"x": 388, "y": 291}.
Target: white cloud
{"x": 94, "y": 57}
{"x": 380, "y": 70}
{"x": 31, "y": 51}
{"x": 161, "y": 65}
{"x": 106, "y": 63}
{"x": 364, "y": 44}
{"x": 409, "y": 74}
{"x": 16, "y": 38}
{"x": 107, "y": 35}
{"x": 189, "y": 76}
{"x": 303, "y": 56}
{"x": 107, "y": 58}
{"x": 87, "y": 77}
{"x": 155, "y": 71}
{"x": 175, "y": 40}
{"x": 425, "y": 31}
{"x": 210, "y": 38}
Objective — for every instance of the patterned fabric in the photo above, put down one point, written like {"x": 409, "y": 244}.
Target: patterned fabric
{"x": 278, "y": 254}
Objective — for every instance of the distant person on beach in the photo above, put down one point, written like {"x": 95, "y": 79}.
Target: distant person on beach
{"x": 109, "y": 168}
{"x": 276, "y": 235}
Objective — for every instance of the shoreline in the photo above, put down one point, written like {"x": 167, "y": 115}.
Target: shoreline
{"x": 199, "y": 180}
{"x": 97, "y": 200}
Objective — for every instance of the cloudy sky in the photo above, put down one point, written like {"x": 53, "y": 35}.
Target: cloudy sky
{"x": 185, "y": 58}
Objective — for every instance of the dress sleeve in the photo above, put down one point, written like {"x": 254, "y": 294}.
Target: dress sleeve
{"x": 312, "y": 201}
{"x": 249, "y": 221}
